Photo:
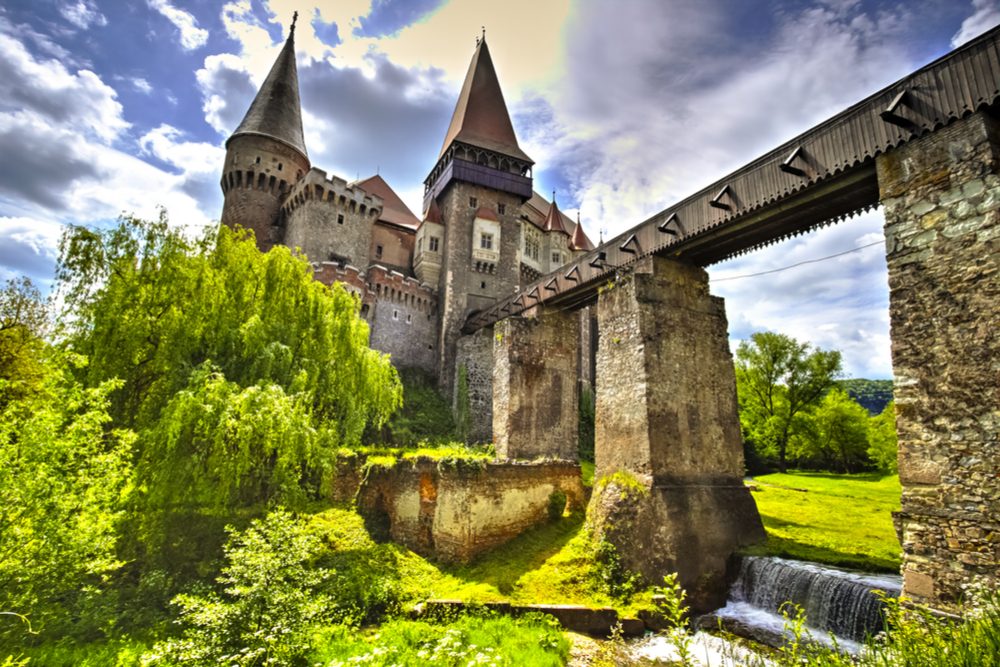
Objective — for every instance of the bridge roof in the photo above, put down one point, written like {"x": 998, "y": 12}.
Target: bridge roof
{"x": 823, "y": 175}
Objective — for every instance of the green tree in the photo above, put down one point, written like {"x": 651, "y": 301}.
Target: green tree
{"x": 64, "y": 478}
{"x": 883, "y": 445}
{"x": 23, "y": 322}
{"x": 841, "y": 431}
{"x": 239, "y": 372}
{"x": 778, "y": 380}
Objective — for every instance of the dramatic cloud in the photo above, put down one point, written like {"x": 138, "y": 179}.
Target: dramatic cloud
{"x": 390, "y": 16}
{"x": 986, "y": 14}
{"x": 191, "y": 35}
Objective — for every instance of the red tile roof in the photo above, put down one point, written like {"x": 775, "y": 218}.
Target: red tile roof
{"x": 394, "y": 211}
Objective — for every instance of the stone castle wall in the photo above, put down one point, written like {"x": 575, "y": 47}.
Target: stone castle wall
{"x": 257, "y": 175}
{"x": 403, "y": 318}
{"x": 329, "y": 220}
{"x": 455, "y": 512}
{"x": 461, "y": 287}
{"x": 941, "y": 195}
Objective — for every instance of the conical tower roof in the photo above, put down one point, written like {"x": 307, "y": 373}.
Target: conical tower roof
{"x": 481, "y": 117}
{"x": 554, "y": 221}
{"x": 580, "y": 240}
{"x": 276, "y": 111}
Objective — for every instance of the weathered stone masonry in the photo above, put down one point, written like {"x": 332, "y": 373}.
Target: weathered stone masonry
{"x": 941, "y": 195}
{"x": 457, "y": 511}
{"x": 535, "y": 388}
{"x": 667, "y": 415}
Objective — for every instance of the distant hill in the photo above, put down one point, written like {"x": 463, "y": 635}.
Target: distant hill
{"x": 872, "y": 395}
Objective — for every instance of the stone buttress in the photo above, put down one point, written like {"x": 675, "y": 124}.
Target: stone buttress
{"x": 941, "y": 195}
{"x": 667, "y": 432}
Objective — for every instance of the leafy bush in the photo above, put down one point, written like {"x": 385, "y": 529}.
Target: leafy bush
{"x": 272, "y": 596}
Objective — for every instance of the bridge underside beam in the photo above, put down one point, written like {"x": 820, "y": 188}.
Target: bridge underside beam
{"x": 667, "y": 418}
{"x": 941, "y": 195}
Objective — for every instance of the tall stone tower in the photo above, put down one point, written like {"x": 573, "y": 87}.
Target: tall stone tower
{"x": 266, "y": 155}
{"x": 480, "y": 180}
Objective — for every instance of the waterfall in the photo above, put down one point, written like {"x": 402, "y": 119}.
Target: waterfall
{"x": 834, "y": 600}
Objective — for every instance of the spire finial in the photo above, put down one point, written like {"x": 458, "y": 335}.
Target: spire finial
{"x": 295, "y": 17}
{"x": 553, "y": 195}
{"x": 484, "y": 32}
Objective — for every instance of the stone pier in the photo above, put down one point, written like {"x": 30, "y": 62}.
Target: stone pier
{"x": 667, "y": 432}
{"x": 535, "y": 386}
{"x": 474, "y": 359}
{"x": 941, "y": 195}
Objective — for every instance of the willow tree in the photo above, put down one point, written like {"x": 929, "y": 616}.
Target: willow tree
{"x": 240, "y": 374}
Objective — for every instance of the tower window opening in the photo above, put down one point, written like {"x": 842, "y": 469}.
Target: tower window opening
{"x": 482, "y": 285}
{"x": 340, "y": 218}
{"x": 432, "y": 245}
{"x": 501, "y": 209}
{"x": 409, "y": 318}
{"x": 257, "y": 161}
{"x": 486, "y": 241}
{"x": 395, "y": 314}
{"x": 378, "y": 252}
{"x": 279, "y": 166}
{"x": 473, "y": 202}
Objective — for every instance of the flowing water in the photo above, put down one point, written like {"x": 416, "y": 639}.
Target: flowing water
{"x": 834, "y": 600}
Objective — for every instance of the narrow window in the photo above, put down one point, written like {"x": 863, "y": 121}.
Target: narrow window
{"x": 501, "y": 208}
{"x": 340, "y": 218}
{"x": 378, "y": 252}
{"x": 433, "y": 244}
{"x": 472, "y": 200}
{"x": 556, "y": 258}
{"x": 486, "y": 241}
{"x": 257, "y": 161}
{"x": 483, "y": 284}
{"x": 279, "y": 166}
{"x": 395, "y": 314}
{"x": 409, "y": 318}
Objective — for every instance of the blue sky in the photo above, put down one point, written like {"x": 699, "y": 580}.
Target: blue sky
{"x": 626, "y": 106}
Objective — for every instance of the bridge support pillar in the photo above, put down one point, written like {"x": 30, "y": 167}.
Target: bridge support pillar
{"x": 941, "y": 195}
{"x": 473, "y": 383}
{"x": 535, "y": 389}
{"x": 667, "y": 432}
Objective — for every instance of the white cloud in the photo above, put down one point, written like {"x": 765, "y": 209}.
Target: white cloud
{"x": 142, "y": 85}
{"x": 78, "y": 100}
{"x": 83, "y": 14}
{"x": 166, "y": 143}
{"x": 985, "y": 15}
{"x": 192, "y": 36}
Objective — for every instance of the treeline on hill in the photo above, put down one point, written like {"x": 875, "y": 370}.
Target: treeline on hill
{"x": 795, "y": 412}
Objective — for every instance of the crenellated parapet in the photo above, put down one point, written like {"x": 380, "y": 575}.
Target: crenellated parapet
{"x": 317, "y": 186}
{"x": 328, "y": 219}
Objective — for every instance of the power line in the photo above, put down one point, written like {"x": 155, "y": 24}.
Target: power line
{"x": 802, "y": 263}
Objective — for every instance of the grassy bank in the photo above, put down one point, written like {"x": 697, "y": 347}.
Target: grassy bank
{"x": 841, "y": 520}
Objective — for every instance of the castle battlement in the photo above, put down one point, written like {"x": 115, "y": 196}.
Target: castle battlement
{"x": 316, "y": 185}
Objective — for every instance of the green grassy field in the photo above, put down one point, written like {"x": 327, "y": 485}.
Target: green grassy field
{"x": 837, "y": 519}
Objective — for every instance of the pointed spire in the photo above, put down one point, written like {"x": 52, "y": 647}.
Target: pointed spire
{"x": 580, "y": 240}
{"x": 554, "y": 220}
{"x": 481, "y": 118}
{"x": 276, "y": 111}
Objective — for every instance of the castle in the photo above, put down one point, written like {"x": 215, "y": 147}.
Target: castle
{"x": 484, "y": 232}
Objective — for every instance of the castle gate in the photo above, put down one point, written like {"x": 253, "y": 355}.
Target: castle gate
{"x": 928, "y": 149}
